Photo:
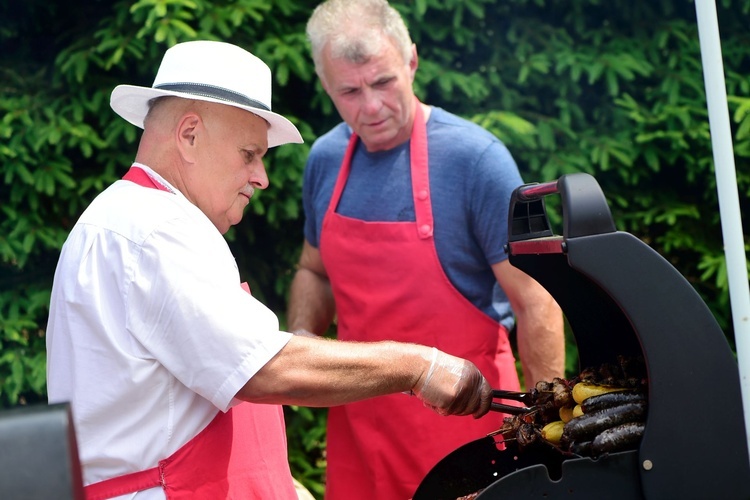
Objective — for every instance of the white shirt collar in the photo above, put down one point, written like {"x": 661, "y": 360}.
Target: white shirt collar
{"x": 155, "y": 177}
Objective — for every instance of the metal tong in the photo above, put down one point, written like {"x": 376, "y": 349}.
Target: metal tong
{"x": 522, "y": 397}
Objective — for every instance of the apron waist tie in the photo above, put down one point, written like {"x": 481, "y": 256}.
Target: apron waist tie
{"x": 120, "y": 485}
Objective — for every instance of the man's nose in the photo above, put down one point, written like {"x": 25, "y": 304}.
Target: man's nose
{"x": 259, "y": 178}
{"x": 371, "y": 102}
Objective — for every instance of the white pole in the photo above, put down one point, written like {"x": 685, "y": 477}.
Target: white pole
{"x": 726, "y": 182}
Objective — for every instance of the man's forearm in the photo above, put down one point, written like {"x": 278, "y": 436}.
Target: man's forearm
{"x": 541, "y": 345}
{"x": 311, "y": 305}
{"x": 326, "y": 372}
{"x": 323, "y": 372}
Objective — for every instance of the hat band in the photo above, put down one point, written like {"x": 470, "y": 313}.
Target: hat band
{"x": 213, "y": 92}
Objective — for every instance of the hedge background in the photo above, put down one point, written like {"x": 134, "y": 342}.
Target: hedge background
{"x": 613, "y": 88}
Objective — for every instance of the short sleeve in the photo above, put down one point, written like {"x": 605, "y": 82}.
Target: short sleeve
{"x": 186, "y": 307}
{"x": 493, "y": 180}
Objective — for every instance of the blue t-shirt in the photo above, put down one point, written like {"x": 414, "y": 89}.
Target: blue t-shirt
{"x": 472, "y": 176}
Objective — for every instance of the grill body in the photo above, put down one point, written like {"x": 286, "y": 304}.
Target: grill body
{"x": 620, "y": 297}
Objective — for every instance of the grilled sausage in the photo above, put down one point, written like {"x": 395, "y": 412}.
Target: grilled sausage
{"x": 580, "y": 447}
{"x": 610, "y": 399}
{"x": 589, "y": 425}
{"x": 617, "y": 438}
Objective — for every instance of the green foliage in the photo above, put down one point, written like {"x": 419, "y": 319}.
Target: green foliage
{"x": 22, "y": 352}
{"x": 306, "y": 428}
{"x": 614, "y": 89}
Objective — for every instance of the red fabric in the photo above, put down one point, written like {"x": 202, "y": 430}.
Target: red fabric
{"x": 121, "y": 485}
{"x": 240, "y": 457}
{"x": 388, "y": 283}
{"x": 140, "y": 177}
{"x": 241, "y": 454}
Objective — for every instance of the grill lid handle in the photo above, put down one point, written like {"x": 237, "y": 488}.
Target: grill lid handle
{"x": 584, "y": 208}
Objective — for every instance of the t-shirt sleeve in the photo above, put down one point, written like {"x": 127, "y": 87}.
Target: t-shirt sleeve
{"x": 321, "y": 172}
{"x": 495, "y": 177}
{"x": 186, "y": 307}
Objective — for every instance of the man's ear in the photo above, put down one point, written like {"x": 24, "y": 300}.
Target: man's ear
{"x": 414, "y": 61}
{"x": 187, "y": 136}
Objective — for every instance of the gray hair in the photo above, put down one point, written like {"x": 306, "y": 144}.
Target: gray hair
{"x": 354, "y": 29}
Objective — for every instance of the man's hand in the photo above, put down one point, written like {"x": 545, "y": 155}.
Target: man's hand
{"x": 454, "y": 386}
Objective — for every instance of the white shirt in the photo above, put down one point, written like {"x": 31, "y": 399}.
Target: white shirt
{"x": 150, "y": 333}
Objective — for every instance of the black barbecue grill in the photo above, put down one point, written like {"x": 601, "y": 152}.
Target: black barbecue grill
{"x": 621, "y": 298}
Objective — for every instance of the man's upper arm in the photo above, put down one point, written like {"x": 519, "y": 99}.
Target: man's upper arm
{"x": 522, "y": 290}
{"x": 311, "y": 260}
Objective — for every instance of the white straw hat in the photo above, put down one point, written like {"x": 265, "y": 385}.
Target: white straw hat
{"x": 209, "y": 71}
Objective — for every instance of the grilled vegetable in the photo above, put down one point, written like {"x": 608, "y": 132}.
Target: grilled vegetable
{"x": 589, "y": 425}
{"x": 610, "y": 399}
{"x": 584, "y": 390}
{"x": 552, "y": 432}
{"x": 566, "y": 414}
{"x": 618, "y": 438}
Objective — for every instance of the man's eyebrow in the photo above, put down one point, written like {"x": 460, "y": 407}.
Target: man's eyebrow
{"x": 254, "y": 148}
{"x": 345, "y": 87}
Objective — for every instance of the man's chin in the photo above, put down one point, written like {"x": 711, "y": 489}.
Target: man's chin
{"x": 380, "y": 139}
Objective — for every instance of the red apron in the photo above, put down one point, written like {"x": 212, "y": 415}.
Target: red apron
{"x": 389, "y": 284}
{"x": 241, "y": 454}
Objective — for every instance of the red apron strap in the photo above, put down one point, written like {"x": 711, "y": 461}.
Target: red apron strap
{"x": 343, "y": 173}
{"x": 420, "y": 175}
{"x": 121, "y": 485}
{"x": 140, "y": 177}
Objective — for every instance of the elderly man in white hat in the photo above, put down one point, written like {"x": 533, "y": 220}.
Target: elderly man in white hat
{"x": 174, "y": 372}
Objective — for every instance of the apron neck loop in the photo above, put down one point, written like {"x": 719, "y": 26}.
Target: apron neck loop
{"x": 420, "y": 179}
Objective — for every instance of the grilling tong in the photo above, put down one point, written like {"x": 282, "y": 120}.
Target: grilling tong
{"x": 522, "y": 397}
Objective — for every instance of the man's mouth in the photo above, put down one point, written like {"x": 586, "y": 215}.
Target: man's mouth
{"x": 376, "y": 124}
{"x": 248, "y": 193}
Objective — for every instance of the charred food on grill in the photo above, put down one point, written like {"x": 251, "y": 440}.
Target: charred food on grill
{"x": 603, "y": 410}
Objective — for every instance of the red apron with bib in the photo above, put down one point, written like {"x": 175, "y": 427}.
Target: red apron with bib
{"x": 389, "y": 284}
{"x": 241, "y": 454}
